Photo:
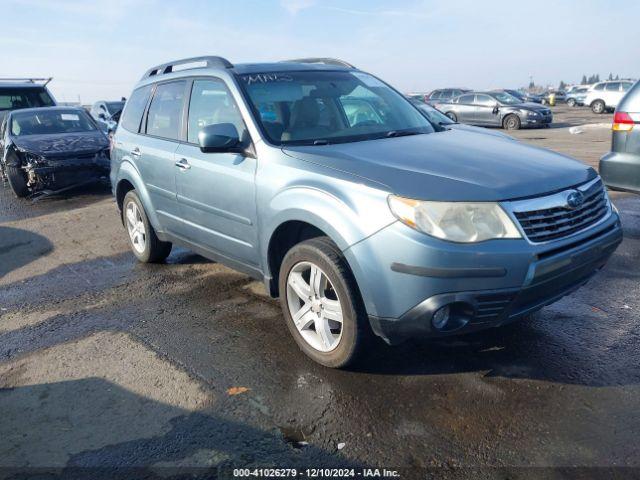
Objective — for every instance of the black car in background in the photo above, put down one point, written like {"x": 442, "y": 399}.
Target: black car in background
{"x": 17, "y": 93}
{"x": 496, "y": 109}
{"x": 620, "y": 168}
{"x": 52, "y": 149}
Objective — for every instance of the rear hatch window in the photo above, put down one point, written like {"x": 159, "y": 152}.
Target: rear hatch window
{"x": 16, "y": 98}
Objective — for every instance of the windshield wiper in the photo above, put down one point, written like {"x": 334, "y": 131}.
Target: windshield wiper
{"x": 401, "y": 133}
{"x": 304, "y": 143}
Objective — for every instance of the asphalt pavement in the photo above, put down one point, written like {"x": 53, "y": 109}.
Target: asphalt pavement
{"x": 107, "y": 363}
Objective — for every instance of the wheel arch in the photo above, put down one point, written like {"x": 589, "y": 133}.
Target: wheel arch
{"x": 128, "y": 179}
{"x": 303, "y": 211}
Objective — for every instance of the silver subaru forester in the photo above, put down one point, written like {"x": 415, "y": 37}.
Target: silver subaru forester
{"x": 361, "y": 215}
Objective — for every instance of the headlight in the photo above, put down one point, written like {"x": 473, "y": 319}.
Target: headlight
{"x": 455, "y": 221}
{"x": 531, "y": 113}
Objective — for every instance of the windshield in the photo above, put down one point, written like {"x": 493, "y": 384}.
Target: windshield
{"x": 15, "y": 98}
{"x": 114, "y": 107}
{"x": 50, "y": 122}
{"x": 306, "y": 108}
{"x": 506, "y": 99}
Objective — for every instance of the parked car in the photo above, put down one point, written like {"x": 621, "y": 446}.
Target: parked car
{"x": 576, "y": 97}
{"x": 16, "y": 93}
{"x": 436, "y": 117}
{"x": 496, "y": 109}
{"x": 620, "y": 168}
{"x": 421, "y": 96}
{"x": 52, "y": 148}
{"x": 605, "y": 96}
{"x": 560, "y": 97}
{"x": 391, "y": 225}
{"x": 444, "y": 95}
{"x": 107, "y": 114}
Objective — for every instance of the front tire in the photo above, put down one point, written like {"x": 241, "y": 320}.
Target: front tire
{"x": 452, "y": 116}
{"x": 144, "y": 242}
{"x": 511, "y": 122}
{"x": 321, "y": 303}
{"x": 17, "y": 181}
{"x": 598, "y": 107}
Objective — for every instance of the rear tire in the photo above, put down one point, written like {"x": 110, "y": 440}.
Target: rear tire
{"x": 144, "y": 242}
{"x": 511, "y": 122}
{"x": 17, "y": 181}
{"x": 598, "y": 107}
{"x": 571, "y": 102}
{"x": 452, "y": 116}
{"x": 339, "y": 343}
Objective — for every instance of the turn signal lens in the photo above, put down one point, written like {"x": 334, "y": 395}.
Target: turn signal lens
{"x": 622, "y": 122}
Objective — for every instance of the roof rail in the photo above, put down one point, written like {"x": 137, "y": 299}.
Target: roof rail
{"x": 325, "y": 61}
{"x": 168, "y": 67}
{"x": 28, "y": 80}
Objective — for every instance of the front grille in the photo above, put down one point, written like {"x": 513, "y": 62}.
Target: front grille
{"x": 560, "y": 222}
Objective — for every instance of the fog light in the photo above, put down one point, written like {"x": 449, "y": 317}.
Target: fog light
{"x": 441, "y": 317}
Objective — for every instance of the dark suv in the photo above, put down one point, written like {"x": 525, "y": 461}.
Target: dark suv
{"x": 18, "y": 93}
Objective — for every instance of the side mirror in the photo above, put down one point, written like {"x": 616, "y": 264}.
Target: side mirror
{"x": 496, "y": 108}
{"x": 219, "y": 137}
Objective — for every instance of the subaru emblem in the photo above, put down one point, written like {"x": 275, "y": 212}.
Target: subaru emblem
{"x": 575, "y": 199}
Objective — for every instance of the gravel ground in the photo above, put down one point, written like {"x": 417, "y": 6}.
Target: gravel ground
{"x": 106, "y": 363}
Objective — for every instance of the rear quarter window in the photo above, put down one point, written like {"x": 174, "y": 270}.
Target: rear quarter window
{"x": 134, "y": 108}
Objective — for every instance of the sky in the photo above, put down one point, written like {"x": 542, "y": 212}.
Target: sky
{"x": 99, "y": 49}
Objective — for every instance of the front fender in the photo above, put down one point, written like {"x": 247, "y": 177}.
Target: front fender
{"x": 347, "y": 215}
{"x": 128, "y": 172}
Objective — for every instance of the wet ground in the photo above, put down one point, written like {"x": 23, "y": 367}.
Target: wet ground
{"x": 108, "y": 363}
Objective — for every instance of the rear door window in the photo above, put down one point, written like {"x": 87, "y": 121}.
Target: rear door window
{"x": 164, "y": 118}
{"x": 466, "y": 99}
{"x": 626, "y": 86}
{"x": 485, "y": 100}
{"x": 134, "y": 109}
{"x": 612, "y": 87}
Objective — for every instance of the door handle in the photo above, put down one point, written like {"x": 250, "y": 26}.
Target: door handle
{"x": 183, "y": 164}
{"x": 136, "y": 152}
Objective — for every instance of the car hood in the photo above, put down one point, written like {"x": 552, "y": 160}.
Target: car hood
{"x": 453, "y": 165}
{"x": 63, "y": 144}
{"x": 480, "y": 130}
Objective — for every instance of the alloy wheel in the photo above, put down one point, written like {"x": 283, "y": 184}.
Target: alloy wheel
{"x": 135, "y": 227}
{"x": 314, "y": 306}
